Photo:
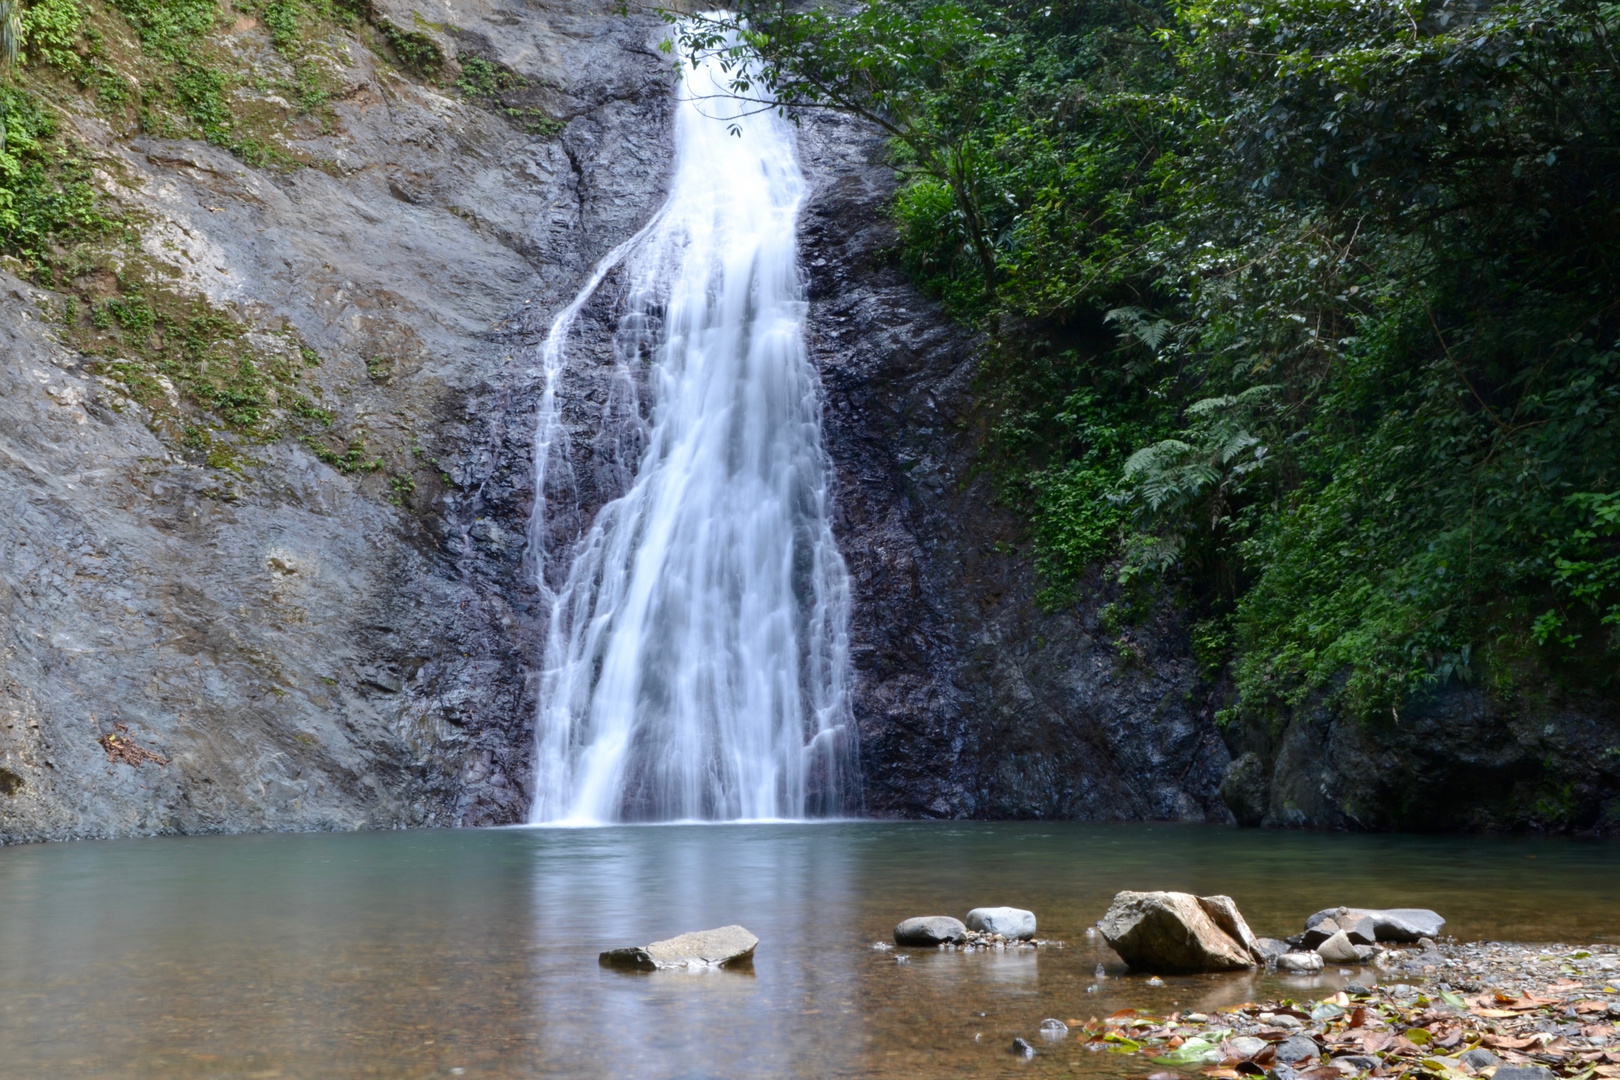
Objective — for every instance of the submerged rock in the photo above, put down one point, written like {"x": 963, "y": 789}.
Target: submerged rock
{"x": 1300, "y": 963}
{"x": 1014, "y": 924}
{"x": 1178, "y": 932}
{"x": 726, "y": 946}
{"x": 1388, "y": 924}
{"x": 929, "y": 930}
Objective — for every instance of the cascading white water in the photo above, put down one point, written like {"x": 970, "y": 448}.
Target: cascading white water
{"x": 697, "y": 656}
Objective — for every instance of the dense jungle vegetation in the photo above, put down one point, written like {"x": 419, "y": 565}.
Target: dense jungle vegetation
{"x": 1304, "y": 308}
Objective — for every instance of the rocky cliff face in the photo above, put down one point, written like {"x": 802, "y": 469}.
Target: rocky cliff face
{"x": 337, "y": 630}
{"x": 971, "y": 700}
{"x": 308, "y": 638}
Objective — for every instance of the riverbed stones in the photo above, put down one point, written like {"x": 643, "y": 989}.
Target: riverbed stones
{"x": 1479, "y": 1058}
{"x": 726, "y": 946}
{"x": 1523, "y": 1072}
{"x": 1244, "y": 1047}
{"x": 1300, "y": 963}
{"x": 1014, "y": 924}
{"x": 1178, "y": 932}
{"x": 1338, "y": 949}
{"x": 1297, "y": 1048}
{"x": 1388, "y": 924}
{"x": 930, "y": 930}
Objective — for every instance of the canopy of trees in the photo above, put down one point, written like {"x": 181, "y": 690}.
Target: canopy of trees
{"x": 1305, "y": 308}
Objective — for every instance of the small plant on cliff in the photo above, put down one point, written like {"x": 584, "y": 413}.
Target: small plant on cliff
{"x": 11, "y": 32}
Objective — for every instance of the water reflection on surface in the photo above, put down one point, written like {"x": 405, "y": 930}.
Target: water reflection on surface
{"x": 417, "y": 954}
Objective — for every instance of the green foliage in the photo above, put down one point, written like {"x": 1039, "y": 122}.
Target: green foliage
{"x": 351, "y": 459}
{"x": 51, "y": 29}
{"x": 45, "y": 193}
{"x": 170, "y": 29}
{"x": 414, "y": 49}
{"x": 1315, "y": 306}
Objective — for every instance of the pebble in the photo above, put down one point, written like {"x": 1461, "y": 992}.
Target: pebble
{"x": 1022, "y": 1048}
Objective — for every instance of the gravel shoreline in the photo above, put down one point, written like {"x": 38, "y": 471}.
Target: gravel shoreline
{"x": 1449, "y": 1011}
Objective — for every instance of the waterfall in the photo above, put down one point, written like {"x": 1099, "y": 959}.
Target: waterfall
{"x": 696, "y": 659}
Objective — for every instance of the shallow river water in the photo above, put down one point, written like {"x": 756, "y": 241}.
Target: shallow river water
{"x": 473, "y": 953}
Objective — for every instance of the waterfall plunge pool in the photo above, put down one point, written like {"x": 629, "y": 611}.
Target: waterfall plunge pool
{"x": 473, "y": 952}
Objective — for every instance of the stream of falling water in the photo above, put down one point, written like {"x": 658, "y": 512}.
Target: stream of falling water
{"x": 697, "y": 659}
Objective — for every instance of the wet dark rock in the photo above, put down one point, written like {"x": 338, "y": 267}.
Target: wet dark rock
{"x": 1458, "y": 759}
{"x": 1246, "y": 788}
{"x": 929, "y": 930}
{"x": 1022, "y": 1048}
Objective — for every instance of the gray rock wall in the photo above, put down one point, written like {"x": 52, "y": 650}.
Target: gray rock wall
{"x": 302, "y": 647}
{"x": 306, "y": 648}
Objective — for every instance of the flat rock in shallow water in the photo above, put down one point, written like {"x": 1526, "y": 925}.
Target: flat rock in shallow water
{"x": 1388, "y": 924}
{"x": 929, "y": 930}
{"x": 700, "y": 949}
{"x": 1014, "y": 924}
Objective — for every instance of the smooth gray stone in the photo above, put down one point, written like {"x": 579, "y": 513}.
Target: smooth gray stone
{"x": 1479, "y": 1058}
{"x": 1354, "y": 1063}
{"x": 929, "y": 930}
{"x": 1015, "y": 924}
{"x": 1245, "y": 1047}
{"x": 1300, "y": 963}
{"x": 725, "y": 946}
{"x": 1297, "y": 1048}
{"x": 1523, "y": 1072}
{"x": 1022, "y": 1048}
{"x": 1338, "y": 950}
{"x": 1389, "y": 924}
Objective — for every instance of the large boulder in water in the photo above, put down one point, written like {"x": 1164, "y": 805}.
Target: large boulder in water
{"x": 1178, "y": 932}
{"x": 1014, "y": 924}
{"x": 729, "y": 945}
{"x": 1388, "y": 924}
{"x": 929, "y": 930}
